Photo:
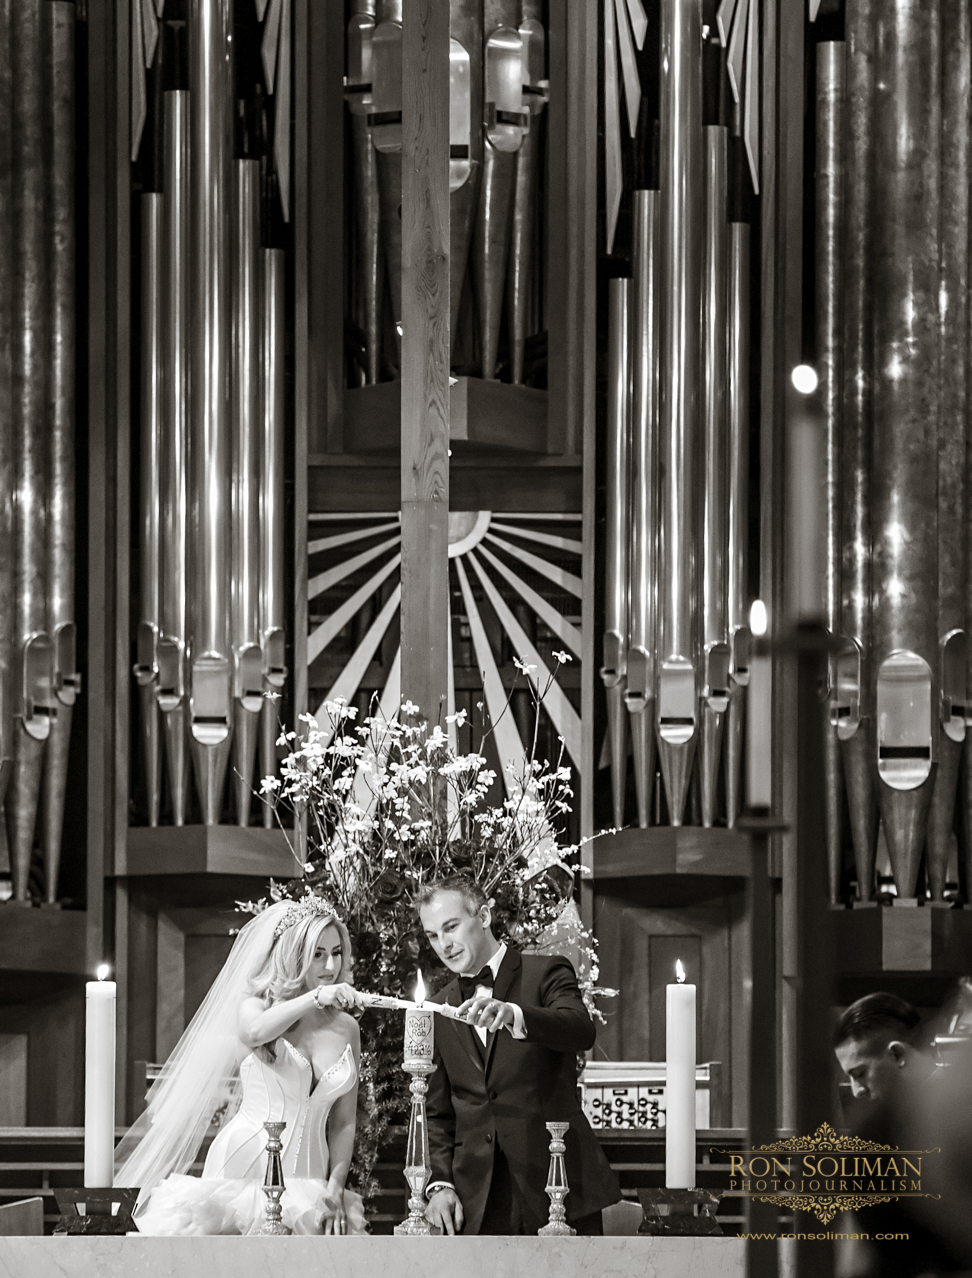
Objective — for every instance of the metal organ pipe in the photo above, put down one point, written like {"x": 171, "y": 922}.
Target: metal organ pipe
{"x": 386, "y": 79}
{"x": 616, "y": 536}
{"x": 174, "y": 455}
{"x": 504, "y": 122}
{"x": 247, "y": 443}
{"x": 853, "y": 692}
{"x": 829, "y": 291}
{"x": 36, "y": 706}
{"x": 370, "y": 259}
{"x": 7, "y": 419}
{"x": 643, "y": 591}
{"x": 210, "y": 69}
{"x": 737, "y": 564}
{"x": 465, "y": 141}
{"x": 906, "y": 422}
{"x": 524, "y": 229}
{"x": 679, "y": 375}
{"x": 715, "y": 511}
{"x": 954, "y": 338}
{"x": 272, "y": 528}
{"x": 150, "y": 488}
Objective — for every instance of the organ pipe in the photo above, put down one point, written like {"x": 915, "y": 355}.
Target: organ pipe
{"x": 737, "y": 566}
{"x": 952, "y": 497}
{"x": 679, "y": 376}
{"x": 643, "y": 592}
{"x": 465, "y": 141}
{"x": 616, "y": 536}
{"x": 503, "y": 127}
{"x": 7, "y": 419}
{"x": 36, "y": 706}
{"x": 829, "y": 333}
{"x": 715, "y": 511}
{"x": 58, "y": 38}
{"x": 907, "y": 169}
{"x": 369, "y": 259}
{"x": 853, "y": 692}
{"x": 210, "y": 67}
{"x": 272, "y": 527}
{"x": 247, "y": 442}
{"x": 150, "y": 546}
{"x": 174, "y": 459}
{"x": 386, "y": 77}
{"x": 533, "y": 38}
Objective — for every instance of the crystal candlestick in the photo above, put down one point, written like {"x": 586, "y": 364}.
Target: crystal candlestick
{"x": 273, "y": 1182}
{"x": 418, "y": 1167}
{"x": 557, "y": 1187}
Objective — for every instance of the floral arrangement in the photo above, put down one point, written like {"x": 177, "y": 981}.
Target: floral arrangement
{"x": 380, "y": 807}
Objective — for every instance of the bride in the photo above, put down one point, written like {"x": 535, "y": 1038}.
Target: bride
{"x": 273, "y": 1041}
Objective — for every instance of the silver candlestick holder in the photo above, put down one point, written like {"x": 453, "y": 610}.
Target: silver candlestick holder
{"x": 418, "y": 1166}
{"x": 557, "y": 1187}
{"x": 273, "y": 1182}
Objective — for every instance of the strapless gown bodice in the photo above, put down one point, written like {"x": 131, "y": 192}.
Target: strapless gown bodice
{"x": 227, "y": 1198}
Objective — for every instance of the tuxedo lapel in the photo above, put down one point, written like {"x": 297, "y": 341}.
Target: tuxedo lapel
{"x": 507, "y": 976}
{"x": 465, "y": 1033}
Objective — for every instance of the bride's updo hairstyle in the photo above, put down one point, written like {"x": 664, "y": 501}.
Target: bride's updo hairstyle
{"x": 282, "y": 974}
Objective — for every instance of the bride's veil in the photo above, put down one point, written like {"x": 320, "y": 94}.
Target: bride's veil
{"x": 203, "y": 1072}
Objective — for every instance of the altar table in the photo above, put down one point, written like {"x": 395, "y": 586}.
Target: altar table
{"x": 372, "y": 1257}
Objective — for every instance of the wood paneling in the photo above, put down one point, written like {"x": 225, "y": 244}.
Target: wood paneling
{"x": 13, "y": 1080}
{"x": 639, "y": 942}
{"x": 425, "y": 354}
{"x": 208, "y": 849}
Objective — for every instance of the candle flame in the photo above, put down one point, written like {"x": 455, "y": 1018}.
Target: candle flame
{"x": 419, "y": 988}
{"x": 679, "y": 972}
{"x": 103, "y": 972}
{"x": 758, "y": 620}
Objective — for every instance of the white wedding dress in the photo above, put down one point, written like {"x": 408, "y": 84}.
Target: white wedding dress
{"x": 227, "y": 1198}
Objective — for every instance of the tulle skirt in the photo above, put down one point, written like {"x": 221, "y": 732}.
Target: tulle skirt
{"x": 191, "y": 1205}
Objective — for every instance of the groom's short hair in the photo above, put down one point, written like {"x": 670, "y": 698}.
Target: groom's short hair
{"x": 472, "y": 894}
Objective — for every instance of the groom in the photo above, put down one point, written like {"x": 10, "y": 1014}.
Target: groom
{"x": 502, "y": 1077}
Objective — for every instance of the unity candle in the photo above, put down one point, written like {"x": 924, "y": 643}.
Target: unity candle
{"x": 99, "y": 1081}
{"x": 680, "y": 1083}
{"x": 419, "y": 1032}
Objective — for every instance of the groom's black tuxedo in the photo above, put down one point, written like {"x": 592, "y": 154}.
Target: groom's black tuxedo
{"x": 503, "y": 1094}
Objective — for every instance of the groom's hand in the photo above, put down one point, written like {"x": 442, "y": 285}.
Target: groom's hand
{"x": 445, "y": 1210}
{"x": 488, "y": 1013}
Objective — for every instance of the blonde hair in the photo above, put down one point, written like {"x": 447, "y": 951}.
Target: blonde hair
{"x": 283, "y": 972}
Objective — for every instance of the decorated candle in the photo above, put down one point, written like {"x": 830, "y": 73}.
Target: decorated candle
{"x": 99, "y": 1081}
{"x": 419, "y": 1032}
{"x": 680, "y": 1083}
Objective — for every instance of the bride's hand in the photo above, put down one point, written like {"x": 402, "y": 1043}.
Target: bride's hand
{"x": 335, "y": 1218}
{"x": 341, "y": 996}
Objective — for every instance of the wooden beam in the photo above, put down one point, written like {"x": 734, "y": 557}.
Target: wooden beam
{"x": 425, "y": 354}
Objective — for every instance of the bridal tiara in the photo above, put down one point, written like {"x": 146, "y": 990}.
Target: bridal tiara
{"x": 311, "y": 904}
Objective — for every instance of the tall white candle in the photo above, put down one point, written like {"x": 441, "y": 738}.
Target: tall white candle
{"x": 680, "y": 1084}
{"x": 759, "y": 730}
{"x": 99, "y": 1082}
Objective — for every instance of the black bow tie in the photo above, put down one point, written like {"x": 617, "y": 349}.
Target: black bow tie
{"x": 467, "y": 984}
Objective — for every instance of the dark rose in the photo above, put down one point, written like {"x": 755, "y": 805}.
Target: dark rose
{"x": 368, "y": 943}
{"x": 388, "y": 887}
{"x": 412, "y": 947}
{"x": 461, "y": 860}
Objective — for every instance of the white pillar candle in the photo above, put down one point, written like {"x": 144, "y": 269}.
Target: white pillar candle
{"x": 419, "y": 1031}
{"x": 99, "y": 1084}
{"x": 759, "y": 730}
{"x": 680, "y": 1085}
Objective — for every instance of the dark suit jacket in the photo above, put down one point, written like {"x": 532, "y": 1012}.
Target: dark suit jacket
{"x": 474, "y": 1105}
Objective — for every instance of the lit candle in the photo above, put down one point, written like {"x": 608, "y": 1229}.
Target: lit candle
{"x": 419, "y": 1031}
{"x": 680, "y": 1083}
{"x": 759, "y": 734}
{"x": 99, "y": 1081}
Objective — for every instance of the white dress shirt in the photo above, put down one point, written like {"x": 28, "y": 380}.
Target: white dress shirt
{"x": 517, "y": 1030}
